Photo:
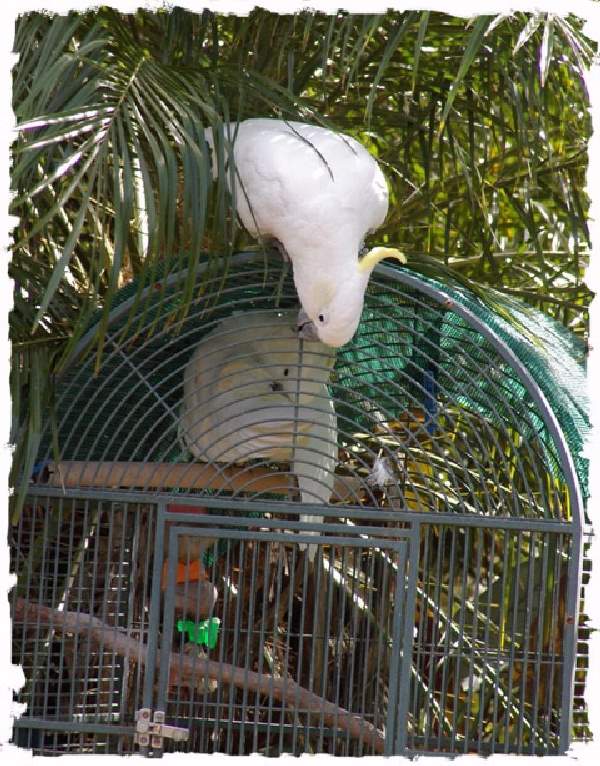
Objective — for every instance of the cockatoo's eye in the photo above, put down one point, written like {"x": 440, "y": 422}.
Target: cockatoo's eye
{"x": 322, "y": 318}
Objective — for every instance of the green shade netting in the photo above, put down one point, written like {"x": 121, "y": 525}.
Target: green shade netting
{"x": 409, "y": 349}
{"x": 462, "y": 361}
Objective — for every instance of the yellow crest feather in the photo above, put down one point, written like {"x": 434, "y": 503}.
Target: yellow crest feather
{"x": 372, "y": 258}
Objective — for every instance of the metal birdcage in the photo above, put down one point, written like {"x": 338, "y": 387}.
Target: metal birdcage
{"x": 431, "y": 605}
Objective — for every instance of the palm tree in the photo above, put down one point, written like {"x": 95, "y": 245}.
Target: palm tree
{"x": 482, "y": 128}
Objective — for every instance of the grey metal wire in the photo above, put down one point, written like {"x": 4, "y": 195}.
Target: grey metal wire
{"x": 177, "y": 373}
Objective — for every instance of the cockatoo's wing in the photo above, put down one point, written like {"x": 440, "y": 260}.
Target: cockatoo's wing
{"x": 230, "y": 412}
{"x": 297, "y": 179}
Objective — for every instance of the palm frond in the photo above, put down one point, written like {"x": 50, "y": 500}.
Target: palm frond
{"x": 485, "y": 151}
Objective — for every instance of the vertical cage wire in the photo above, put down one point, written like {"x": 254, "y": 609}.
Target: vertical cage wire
{"x": 334, "y": 630}
{"x": 581, "y": 723}
{"x": 488, "y": 659}
{"x": 79, "y": 558}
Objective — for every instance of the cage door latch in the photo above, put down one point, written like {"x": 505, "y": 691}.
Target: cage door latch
{"x": 150, "y": 733}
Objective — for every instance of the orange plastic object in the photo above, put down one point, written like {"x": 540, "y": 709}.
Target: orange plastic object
{"x": 184, "y": 573}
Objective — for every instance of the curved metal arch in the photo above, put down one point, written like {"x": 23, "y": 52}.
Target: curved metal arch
{"x": 84, "y": 417}
{"x": 525, "y": 377}
{"x": 372, "y": 386}
{"x": 444, "y": 299}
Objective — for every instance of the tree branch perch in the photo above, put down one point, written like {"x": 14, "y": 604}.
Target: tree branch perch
{"x": 185, "y": 669}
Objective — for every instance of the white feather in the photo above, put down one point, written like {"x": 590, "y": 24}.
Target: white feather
{"x": 381, "y": 474}
{"x": 252, "y": 391}
{"x": 319, "y": 193}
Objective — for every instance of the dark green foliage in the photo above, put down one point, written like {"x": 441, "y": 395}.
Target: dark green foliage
{"x": 481, "y": 128}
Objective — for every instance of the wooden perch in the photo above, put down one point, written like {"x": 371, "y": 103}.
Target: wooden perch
{"x": 189, "y": 670}
{"x": 109, "y": 475}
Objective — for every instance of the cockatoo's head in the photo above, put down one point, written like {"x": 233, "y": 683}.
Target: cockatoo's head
{"x": 332, "y": 307}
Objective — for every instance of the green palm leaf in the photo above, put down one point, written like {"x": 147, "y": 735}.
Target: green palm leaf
{"x": 485, "y": 151}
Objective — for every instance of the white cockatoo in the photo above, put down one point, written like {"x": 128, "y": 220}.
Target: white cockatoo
{"x": 317, "y": 193}
{"x": 254, "y": 389}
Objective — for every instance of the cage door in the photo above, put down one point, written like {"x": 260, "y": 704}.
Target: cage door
{"x": 279, "y": 642}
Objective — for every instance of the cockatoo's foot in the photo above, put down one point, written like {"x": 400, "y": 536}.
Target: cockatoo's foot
{"x": 281, "y": 250}
{"x": 306, "y": 327}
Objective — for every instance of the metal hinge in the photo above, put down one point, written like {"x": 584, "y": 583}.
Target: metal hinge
{"x": 150, "y": 733}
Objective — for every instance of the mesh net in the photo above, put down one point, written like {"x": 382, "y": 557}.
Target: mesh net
{"x": 554, "y": 357}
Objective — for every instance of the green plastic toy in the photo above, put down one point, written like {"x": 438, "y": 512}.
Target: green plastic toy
{"x": 204, "y": 632}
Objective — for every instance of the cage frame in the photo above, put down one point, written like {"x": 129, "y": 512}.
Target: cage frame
{"x": 574, "y": 528}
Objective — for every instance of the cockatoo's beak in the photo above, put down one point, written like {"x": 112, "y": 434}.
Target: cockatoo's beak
{"x": 368, "y": 262}
{"x": 306, "y": 327}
